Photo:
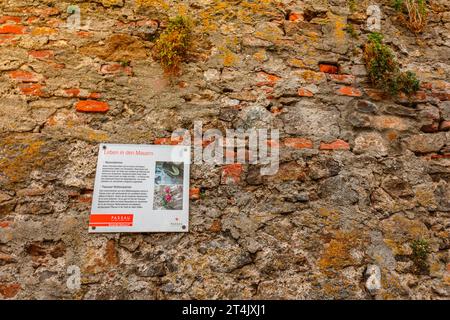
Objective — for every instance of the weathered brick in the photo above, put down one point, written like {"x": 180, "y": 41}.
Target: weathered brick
{"x": 25, "y": 76}
{"x": 303, "y": 92}
{"x": 9, "y": 290}
{"x": 114, "y": 68}
{"x": 216, "y": 226}
{"x": 91, "y": 106}
{"x": 32, "y": 89}
{"x": 389, "y": 122}
{"x": 13, "y": 29}
{"x": 342, "y": 78}
{"x": 168, "y": 141}
{"x": 430, "y": 128}
{"x": 349, "y": 91}
{"x": 444, "y": 126}
{"x": 14, "y": 19}
{"x": 267, "y": 79}
{"x": 194, "y": 193}
{"x": 335, "y": 145}
{"x": 298, "y": 143}
{"x": 441, "y": 95}
{"x": 231, "y": 173}
{"x": 7, "y": 39}
{"x": 294, "y": 16}
{"x": 328, "y": 68}
{"x": 376, "y": 94}
{"x": 42, "y": 54}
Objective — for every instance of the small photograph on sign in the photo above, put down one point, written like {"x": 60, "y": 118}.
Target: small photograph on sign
{"x": 168, "y": 186}
{"x": 168, "y": 197}
{"x": 169, "y": 173}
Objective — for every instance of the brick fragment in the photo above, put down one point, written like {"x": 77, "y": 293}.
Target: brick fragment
{"x": 91, "y": 106}
{"x": 335, "y": 145}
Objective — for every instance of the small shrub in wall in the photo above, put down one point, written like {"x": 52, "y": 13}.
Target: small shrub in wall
{"x": 173, "y": 44}
{"x": 384, "y": 70}
{"x": 413, "y": 13}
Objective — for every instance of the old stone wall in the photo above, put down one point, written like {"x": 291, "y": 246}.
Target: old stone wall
{"x": 359, "y": 209}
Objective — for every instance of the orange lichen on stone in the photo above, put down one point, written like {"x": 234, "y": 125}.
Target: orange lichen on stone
{"x": 337, "y": 253}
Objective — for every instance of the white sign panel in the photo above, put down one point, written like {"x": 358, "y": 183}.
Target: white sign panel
{"x": 141, "y": 188}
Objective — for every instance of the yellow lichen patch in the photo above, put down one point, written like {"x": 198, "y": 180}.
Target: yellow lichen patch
{"x": 311, "y": 76}
{"x": 217, "y": 12}
{"x": 425, "y": 196}
{"x": 229, "y": 58}
{"x": 339, "y": 24}
{"x": 110, "y": 3}
{"x": 152, "y": 4}
{"x": 296, "y": 63}
{"x": 338, "y": 252}
{"x": 43, "y": 31}
{"x": 260, "y": 55}
{"x": 399, "y": 231}
{"x": 19, "y": 156}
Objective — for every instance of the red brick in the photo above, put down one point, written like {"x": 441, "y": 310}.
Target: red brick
{"x": 216, "y": 226}
{"x": 231, "y": 173}
{"x": 328, "y": 68}
{"x": 441, "y": 95}
{"x": 9, "y": 290}
{"x": 4, "y": 224}
{"x": 293, "y": 16}
{"x": 73, "y": 92}
{"x": 276, "y": 110}
{"x": 78, "y": 93}
{"x": 439, "y": 156}
{"x": 94, "y": 95}
{"x": 91, "y": 106}
{"x": 419, "y": 96}
{"x": 426, "y": 85}
{"x": 194, "y": 193}
{"x": 84, "y": 34}
{"x": 342, "y": 78}
{"x": 24, "y": 76}
{"x": 298, "y": 143}
{"x": 302, "y": 92}
{"x": 115, "y": 68}
{"x": 13, "y": 29}
{"x": 168, "y": 141}
{"x": 335, "y": 145}
{"x": 445, "y": 125}
{"x": 34, "y": 89}
{"x": 376, "y": 94}
{"x": 349, "y": 91}
{"x": 268, "y": 79}
{"x": 7, "y": 39}
{"x": 14, "y": 19}
{"x": 42, "y": 54}
{"x": 430, "y": 128}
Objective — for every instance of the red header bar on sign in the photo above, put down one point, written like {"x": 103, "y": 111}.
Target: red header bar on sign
{"x": 111, "y": 220}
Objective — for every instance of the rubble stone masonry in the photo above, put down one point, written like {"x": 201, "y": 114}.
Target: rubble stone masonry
{"x": 364, "y": 178}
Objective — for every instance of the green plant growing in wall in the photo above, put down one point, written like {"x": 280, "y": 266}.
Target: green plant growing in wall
{"x": 420, "y": 250}
{"x": 413, "y": 13}
{"x": 384, "y": 70}
{"x": 173, "y": 44}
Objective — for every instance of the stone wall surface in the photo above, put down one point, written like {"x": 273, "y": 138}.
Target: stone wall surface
{"x": 363, "y": 178}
